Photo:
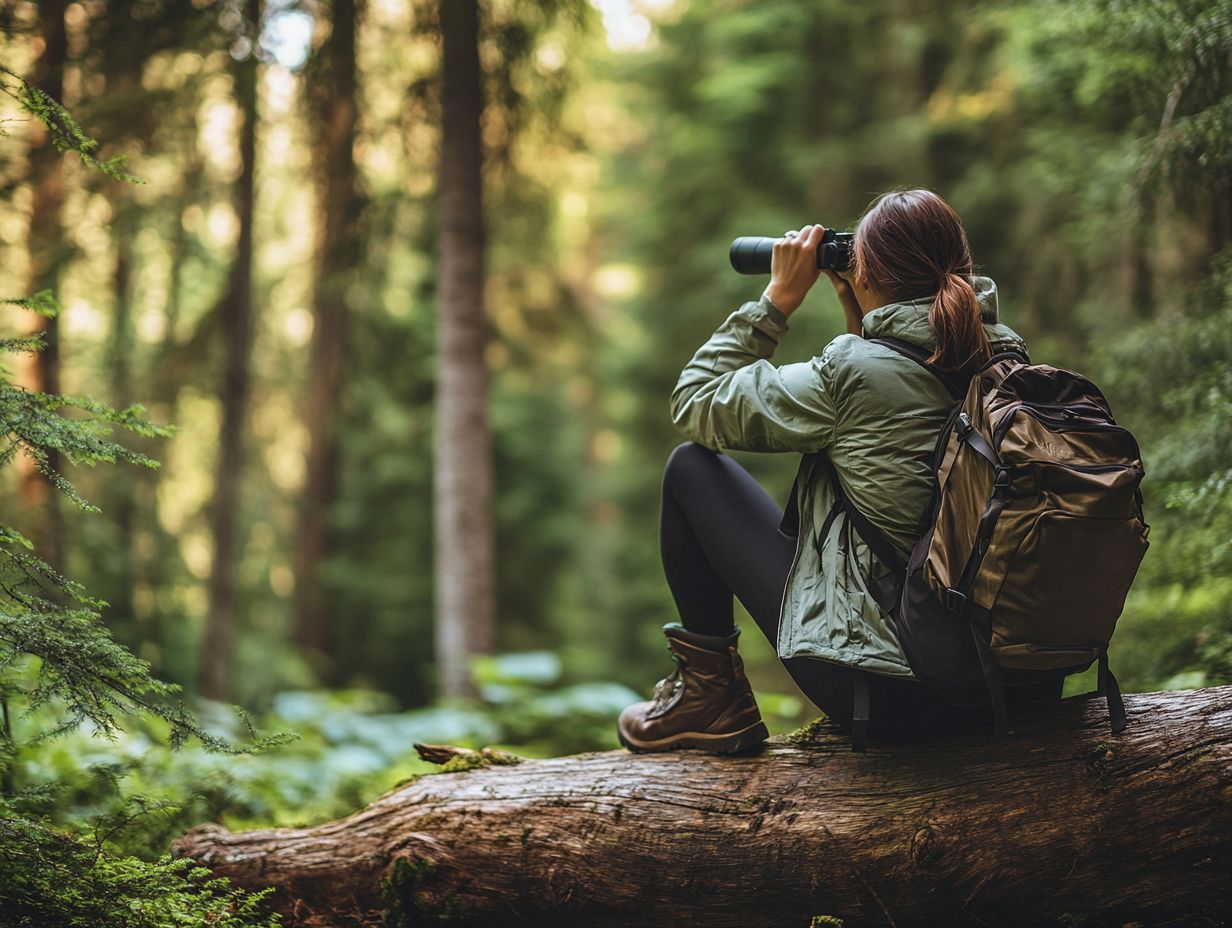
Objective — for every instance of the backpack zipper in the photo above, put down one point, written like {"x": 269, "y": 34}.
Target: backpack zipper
{"x": 1058, "y": 426}
{"x": 1087, "y": 468}
{"x": 1099, "y": 410}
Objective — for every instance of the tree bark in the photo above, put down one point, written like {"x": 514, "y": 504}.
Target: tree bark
{"x": 333, "y": 112}
{"x": 124, "y": 110}
{"x": 237, "y": 330}
{"x": 463, "y": 481}
{"x": 46, "y": 249}
{"x": 1057, "y": 821}
{"x": 123, "y": 576}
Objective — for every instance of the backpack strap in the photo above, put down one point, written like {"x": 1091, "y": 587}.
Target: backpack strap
{"x": 992, "y": 677}
{"x": 954, "y": 381}
{"x": 859, "y": 713}
{"x": 790, "y": 523}
{"x": 1111, "y": 692}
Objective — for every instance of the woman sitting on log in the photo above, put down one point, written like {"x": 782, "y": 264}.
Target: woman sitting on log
{"x": 803, "y": 573}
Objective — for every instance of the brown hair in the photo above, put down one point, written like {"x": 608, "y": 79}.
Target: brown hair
{"x": 911, "y": 243}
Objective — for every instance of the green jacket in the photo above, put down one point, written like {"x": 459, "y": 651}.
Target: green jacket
{"x": 877, "y": 416}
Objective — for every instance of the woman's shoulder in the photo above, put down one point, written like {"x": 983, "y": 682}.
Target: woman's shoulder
{"x": 849, "y": 351}
{"x": 842, "y": 347}
{"x": 841, "y": 355}
{"x": 852, "y": 364}
{"x": 868, "y": 380}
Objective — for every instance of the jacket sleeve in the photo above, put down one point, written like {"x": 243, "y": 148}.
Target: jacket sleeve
{"x": 730, "y": 395}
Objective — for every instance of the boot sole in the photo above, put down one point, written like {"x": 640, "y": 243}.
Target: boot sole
{"x": 710, "y": 742}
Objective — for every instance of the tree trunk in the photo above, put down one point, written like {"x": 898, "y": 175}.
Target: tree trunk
{"x": 122, "y": 109}
{"x": 46, "y": 248}
{"x": 464, "y": 569}
{"x": 120, "y": 599}
{"x": 1057, "y": 821}
{"x": 333, "y": 112}
{"x": 237, "y": 329}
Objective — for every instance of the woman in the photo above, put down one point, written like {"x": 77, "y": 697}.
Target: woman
{"x": 804, "y": 574}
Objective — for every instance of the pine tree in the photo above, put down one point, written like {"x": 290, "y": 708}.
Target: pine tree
{"x": 465, "y": 535}
{"x": 55, "y": 651}
{"x": 238, "y": 327}
{"x": 334, "y": 112}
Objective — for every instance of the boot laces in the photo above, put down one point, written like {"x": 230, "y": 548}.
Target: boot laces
{"x": 667, "y": 687}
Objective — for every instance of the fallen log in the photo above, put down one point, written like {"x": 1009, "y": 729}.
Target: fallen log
{"x": 1060, "y": 822}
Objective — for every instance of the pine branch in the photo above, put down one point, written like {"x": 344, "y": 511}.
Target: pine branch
{"x": 65, "y": 132}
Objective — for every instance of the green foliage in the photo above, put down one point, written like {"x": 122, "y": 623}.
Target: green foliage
{"x": 352, "y": 746}
{"x": 1174, "y": 388}
{"x": 47, "y": 616}
{"x": 541, "y": 717}
{"x": 58, "y": 657}
{"x": 44, "y": 303}
{"x": 53, "y": 878}
{"x": 62, "y": 128}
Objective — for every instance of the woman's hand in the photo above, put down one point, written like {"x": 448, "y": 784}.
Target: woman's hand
{"x": 793, "y": 268}
{"x": 842, "y": 286}
{"x": 847, "y": 299}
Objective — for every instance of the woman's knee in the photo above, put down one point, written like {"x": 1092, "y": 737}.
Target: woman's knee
{"x": 685, "y": 460}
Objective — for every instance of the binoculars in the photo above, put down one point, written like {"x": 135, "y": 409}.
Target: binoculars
{"x": 750, "y": 254}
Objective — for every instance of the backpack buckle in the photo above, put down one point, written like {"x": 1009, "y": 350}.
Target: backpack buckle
{"x": 955, "y": 601}
{"x": 1001, "y": 485}
{"x": 964, "y": 426}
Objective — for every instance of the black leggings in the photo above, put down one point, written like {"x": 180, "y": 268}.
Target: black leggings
{"x": 719, "y": 535}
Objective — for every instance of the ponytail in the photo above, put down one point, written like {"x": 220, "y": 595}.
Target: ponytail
{"x": 956, "y": 324}
{"x": 910, "y": 243}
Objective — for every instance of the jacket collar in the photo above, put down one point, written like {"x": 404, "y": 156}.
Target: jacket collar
{"x": 908, "y": 320}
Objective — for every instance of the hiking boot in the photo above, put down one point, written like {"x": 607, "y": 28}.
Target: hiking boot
{"x": 705, "y": 703}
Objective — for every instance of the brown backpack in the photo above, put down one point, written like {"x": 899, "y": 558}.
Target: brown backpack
{"x": 1029, "y": 544}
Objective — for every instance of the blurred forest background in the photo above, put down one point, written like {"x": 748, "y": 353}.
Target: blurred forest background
{"x": 272, "y": 287}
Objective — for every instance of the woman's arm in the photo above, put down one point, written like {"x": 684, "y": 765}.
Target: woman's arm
{"x": 730, "y": 395}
